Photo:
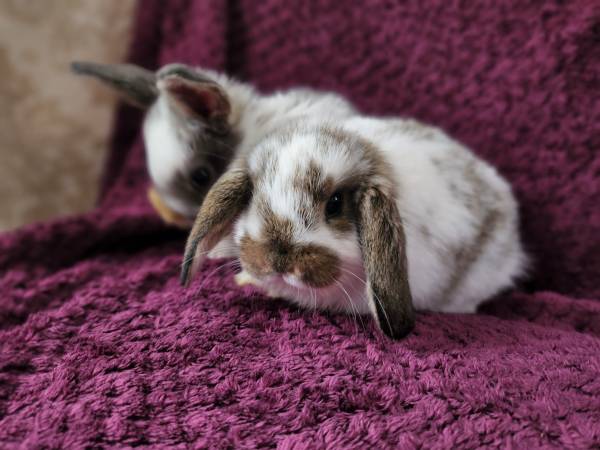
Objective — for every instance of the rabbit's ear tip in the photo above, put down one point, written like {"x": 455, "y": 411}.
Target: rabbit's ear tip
{"x": 88, "y": 67}
{"x": 183, "y": 278}
{"x": 134, "y": 83}
{"x": 398, "y": 329}
{"x": 187, "y": 271}
{"x": 78, "y": 66}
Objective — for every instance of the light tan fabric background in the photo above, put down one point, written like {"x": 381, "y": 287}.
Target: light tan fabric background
{"x": 54, "y": 126}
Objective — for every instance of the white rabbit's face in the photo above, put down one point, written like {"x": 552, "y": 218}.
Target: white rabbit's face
{"x": 314, "y": 216}
{"x": 189, "y": 140}
{"x": 183, "y": 158}
{"x": 299, "y": 233}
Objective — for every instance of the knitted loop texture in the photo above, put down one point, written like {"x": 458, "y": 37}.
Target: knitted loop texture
{"x": 101, "y": 347}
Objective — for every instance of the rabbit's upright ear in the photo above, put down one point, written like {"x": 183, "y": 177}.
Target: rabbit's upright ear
{"x": 135, "y": 84}
{"x": 222, "y": 205}
{"x": 383, "y": 249}
{"x": 195, "y": 96}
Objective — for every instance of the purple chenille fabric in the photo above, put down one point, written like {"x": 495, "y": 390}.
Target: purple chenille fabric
{"x": 101, "y": 347}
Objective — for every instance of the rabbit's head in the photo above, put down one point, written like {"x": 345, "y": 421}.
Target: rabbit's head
{"x": 314, "y": 215}
{"x": 187, "y": 130}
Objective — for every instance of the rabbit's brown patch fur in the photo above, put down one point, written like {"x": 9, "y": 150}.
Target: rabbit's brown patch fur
{"x": 464, "y": 258}
{"x": 276, "y": 229}
{"x": 276, "y": 252}
{"x": 254, "y": 257}
{"x": 313, "y": 264}
{"x": 313, "y": 182}
{"x": 482, "y": 202}
{"x": 316, "y": 265}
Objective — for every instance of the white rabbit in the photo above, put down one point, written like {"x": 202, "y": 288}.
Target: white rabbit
{"x": 198, "y": 120}
{"x": 366, "y": 215}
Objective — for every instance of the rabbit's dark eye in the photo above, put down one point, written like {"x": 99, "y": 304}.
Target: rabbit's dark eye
{"x": 335, "y": 205}
{"x": 200, "y": 177}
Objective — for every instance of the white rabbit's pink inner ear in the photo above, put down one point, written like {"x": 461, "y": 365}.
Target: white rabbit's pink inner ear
{"x": 202, "y": 100}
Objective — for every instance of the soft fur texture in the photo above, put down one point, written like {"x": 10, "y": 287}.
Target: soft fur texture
{"x": 100, "y": 346}
{"x": 407, "y": 193}
{"x": 201, "y": 119}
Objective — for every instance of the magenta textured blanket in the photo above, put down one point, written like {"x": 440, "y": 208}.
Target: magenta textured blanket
{"x": 101, "y": 347}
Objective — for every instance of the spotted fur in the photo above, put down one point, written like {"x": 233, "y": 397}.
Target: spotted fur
{"x": 198, "y": 118}
{"x": 425, "y": 224}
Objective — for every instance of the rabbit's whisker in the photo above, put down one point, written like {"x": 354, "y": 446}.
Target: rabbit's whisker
{"x": 374, "y": 295}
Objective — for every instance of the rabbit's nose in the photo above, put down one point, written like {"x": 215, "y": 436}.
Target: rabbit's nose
{"x": 281, "y": 259}
{"x": 281, "y": 264}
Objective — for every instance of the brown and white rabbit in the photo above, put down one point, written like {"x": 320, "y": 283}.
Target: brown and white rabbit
{"x": 198, "y": 120}
{"x": 368, "y": 215}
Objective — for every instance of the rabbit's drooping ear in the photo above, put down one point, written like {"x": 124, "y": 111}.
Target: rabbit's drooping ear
{"x": 222, "y": 205}
{"x": 197, "y": 98}
{"x": 383, "y": 249}
{"x": 135, "y": 84}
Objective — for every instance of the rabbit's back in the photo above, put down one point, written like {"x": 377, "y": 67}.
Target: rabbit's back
{"x": 460, "y": 216}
